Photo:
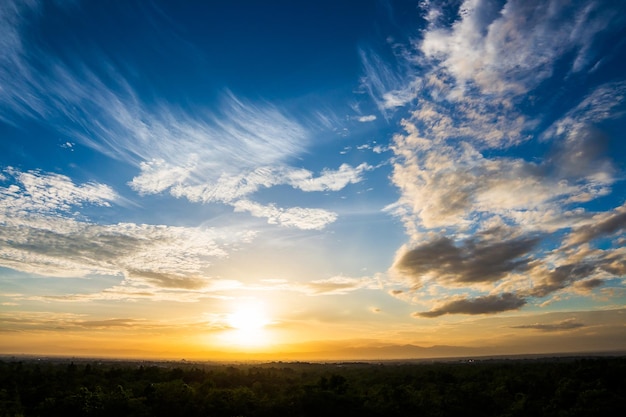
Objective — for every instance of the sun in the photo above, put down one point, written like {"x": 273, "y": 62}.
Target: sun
{"x": 248, "y": 318}
{"x": 247, "y": 325}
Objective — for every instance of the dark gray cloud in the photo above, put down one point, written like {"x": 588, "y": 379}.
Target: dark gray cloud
{"x": 473, "y": 262}
{"x": 615, "y": 263}
{"x": 552, "y": 327}
{"x": 561, "y": 277}
{"x": 589, "y": 284}
{"x": 488, "y": 304}
{"x": 606, "y": 225}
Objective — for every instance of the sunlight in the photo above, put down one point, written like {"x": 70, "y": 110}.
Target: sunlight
{"x": 247, "y": 323}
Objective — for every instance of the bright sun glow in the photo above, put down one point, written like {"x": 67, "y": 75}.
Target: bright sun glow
{"x": 248, "y": 322}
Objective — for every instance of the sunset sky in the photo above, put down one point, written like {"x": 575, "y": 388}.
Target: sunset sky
{"x": 229, "y": 180}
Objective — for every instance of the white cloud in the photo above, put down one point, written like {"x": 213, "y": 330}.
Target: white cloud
{"x": 45, "y": 193}
{"x": 206, "y": 156}
{"x": 41, "y": 234}
{"x": 157, "y": 176}
{"x": 491, "y": 54}
{"x": 466, "y": 193}
{"x": 511, "y": 49}
{"x": 329, "y": 180}
{"x": 219, "y": 155}
{"x": 368, "y": 118}
{"x": 385, "y": 85}
{"x": 301, "y": 218}
{"x": 151, "y": 253}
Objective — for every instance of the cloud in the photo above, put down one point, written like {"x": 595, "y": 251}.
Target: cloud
{"x": 298, "y": 217}
{"x": 368, "y": 118}
{"x": 568, "y": 324}
{"x": 67, "y": 322}
{"x": 168, "y": 280}
{"x": 600, "y": 225}
{"x": 217, "y": 155}
{"x": 586, "y": 286}
{"x": 47, "y": 193}
{"x": 226, "y": 159}
{"x": 388, "y": 87}
{"x": 337, "y": 285}
{"x": 64, "y": 247}
{"x": 489, "y": 304}
{"x": 560, "y": 277}
{"x": 179, "y": 290}
{"x": 446, "y": 180}
{"x": 472, "y": 262}
{"x": 495, "y": 189}
{"x": 328, "y": 180}
{"x": 509, "y": 48}
{"x": 43, "y": 233}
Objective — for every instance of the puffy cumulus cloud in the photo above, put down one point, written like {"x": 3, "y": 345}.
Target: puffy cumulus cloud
{"x": 473, "y": 262}
{"x": 511, "y": 47}
{"x": 568, "y": 324}
{"x": 42, "y": 233}
{"x": 488, "y": 304}
{"x": 496, "y": 193}
{"x": 446, "y": 180}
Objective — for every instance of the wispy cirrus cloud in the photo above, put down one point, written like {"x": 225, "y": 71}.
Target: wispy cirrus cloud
{"x": 207, "y": 155}
{"x": 390, "y": 88}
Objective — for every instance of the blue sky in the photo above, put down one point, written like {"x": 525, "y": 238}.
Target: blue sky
{"x": 364, "y": 174}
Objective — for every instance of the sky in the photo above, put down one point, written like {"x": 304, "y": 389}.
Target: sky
{"x": 322, "y": 180}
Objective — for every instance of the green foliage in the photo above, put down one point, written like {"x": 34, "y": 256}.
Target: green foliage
{"x": 563, "y": 388}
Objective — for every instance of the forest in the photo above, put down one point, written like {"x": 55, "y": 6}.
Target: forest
{"x": 591, "y": 386}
